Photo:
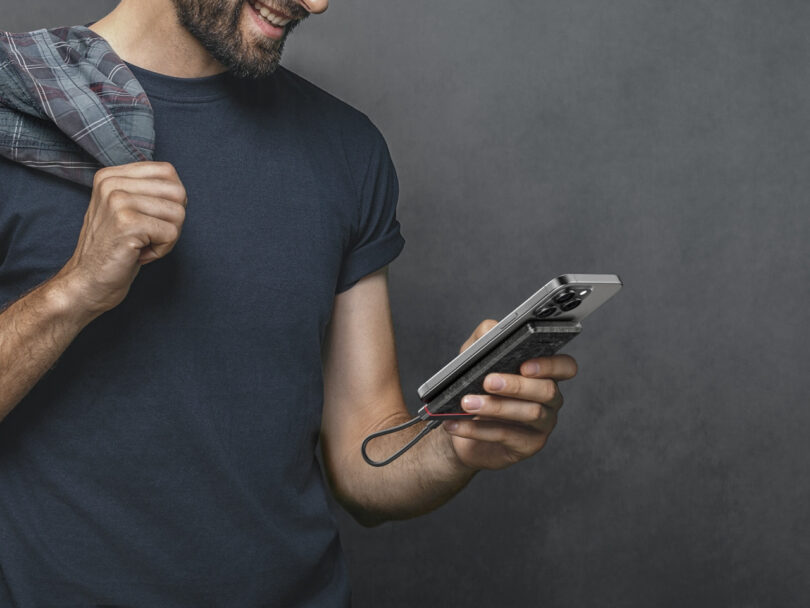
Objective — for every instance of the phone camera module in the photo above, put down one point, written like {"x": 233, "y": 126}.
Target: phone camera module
{"x": 545, "y": 311}
{"x": 565, "y": 296}
{"x": 570, "y": 305}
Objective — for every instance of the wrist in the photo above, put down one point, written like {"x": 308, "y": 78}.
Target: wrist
{"x": 458, "y": 469}
{"x": 65, "y": 297}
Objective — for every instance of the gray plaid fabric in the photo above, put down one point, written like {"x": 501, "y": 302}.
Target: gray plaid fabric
{"x": 69, "y": 105}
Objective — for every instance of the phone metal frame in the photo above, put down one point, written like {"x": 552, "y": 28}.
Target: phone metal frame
{"x": 602, "y": 287}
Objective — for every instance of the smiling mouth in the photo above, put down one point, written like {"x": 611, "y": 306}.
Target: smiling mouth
{"x": 269, "y": 14}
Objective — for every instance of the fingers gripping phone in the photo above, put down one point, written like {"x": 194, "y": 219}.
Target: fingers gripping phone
{"x": 540, "y": 326}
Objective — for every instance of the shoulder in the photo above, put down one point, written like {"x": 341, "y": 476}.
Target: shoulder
{"x": 327, "y": 110}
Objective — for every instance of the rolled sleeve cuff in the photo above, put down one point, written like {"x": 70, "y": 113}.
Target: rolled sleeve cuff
{"x": 368, "y": 258}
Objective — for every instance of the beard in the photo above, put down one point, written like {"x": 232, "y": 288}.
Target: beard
{"x": 215, "y": 24}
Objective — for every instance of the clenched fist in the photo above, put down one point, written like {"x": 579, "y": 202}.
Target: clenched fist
{"x": 135, "y": 216}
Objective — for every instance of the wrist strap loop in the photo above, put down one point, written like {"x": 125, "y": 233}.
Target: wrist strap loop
{"x": 379, "y": 463}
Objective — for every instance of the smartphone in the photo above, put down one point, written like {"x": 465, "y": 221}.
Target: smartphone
{"x": 540, "y": 326}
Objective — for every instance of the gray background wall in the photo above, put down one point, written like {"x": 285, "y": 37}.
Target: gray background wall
{"x": 666, "y": 142}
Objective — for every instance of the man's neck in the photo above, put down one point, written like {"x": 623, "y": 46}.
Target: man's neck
{"x": 146, "y": 33}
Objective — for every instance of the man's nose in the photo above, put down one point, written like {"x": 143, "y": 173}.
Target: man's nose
{"x": 315, "y": 6}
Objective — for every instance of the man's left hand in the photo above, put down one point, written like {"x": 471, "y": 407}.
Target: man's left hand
{"x": 514, "y": 420}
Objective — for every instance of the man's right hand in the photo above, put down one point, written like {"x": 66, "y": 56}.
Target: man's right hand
{"x": 135, "y": 216}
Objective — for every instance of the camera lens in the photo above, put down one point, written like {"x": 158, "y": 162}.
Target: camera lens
{"x": 542, "y": 313}
{"x": 570, "y": 305}
{"x": 565, "y": 296}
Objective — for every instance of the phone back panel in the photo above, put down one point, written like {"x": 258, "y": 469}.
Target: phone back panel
{"x": 599, "y": 288}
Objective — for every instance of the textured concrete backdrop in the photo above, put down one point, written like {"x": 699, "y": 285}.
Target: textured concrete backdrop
{"x": 666, "y": 142}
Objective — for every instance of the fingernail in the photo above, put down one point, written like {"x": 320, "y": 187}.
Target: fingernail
{"x": 451, "y": 426}
{"x": 531, "y": 369}
{"x": 472, "y": 403}
{"x": 496, "y": 383}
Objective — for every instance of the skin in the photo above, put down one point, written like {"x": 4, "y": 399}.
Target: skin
{"x": 149, "y": 34}
{"x": 135, "y": 216}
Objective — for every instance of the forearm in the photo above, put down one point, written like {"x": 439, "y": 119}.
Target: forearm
{"x": 34, "y": 331}
{"x": 421, "y": 480}
{"x": 362, "y": 395}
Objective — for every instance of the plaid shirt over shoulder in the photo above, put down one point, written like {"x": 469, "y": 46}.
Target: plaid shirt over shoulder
{"x": 69, "y": 105}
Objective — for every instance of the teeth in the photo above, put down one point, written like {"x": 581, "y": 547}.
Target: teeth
{"x": 270, "y": 16}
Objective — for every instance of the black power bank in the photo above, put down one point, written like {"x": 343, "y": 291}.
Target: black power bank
{"x": 530, "y": 340}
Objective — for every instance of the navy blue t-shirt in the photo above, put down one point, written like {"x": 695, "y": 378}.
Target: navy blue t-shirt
{"x": 168, "y": 458}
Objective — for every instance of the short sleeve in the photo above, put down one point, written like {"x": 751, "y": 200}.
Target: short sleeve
{"x": 376, "y": 239}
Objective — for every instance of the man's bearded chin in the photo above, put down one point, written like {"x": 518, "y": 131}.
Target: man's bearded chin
{"x": 215, "y": 23}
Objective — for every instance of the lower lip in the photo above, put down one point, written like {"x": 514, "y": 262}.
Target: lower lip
{"x": 268, "y": 29}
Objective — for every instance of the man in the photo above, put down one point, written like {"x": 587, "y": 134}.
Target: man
{"x": 167, "y": 457}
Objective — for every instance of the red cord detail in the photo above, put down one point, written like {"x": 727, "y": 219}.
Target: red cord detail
{"x": 444, "y": 415}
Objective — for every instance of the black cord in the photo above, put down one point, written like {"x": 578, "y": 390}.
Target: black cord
{"x": 377, "y": 463}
